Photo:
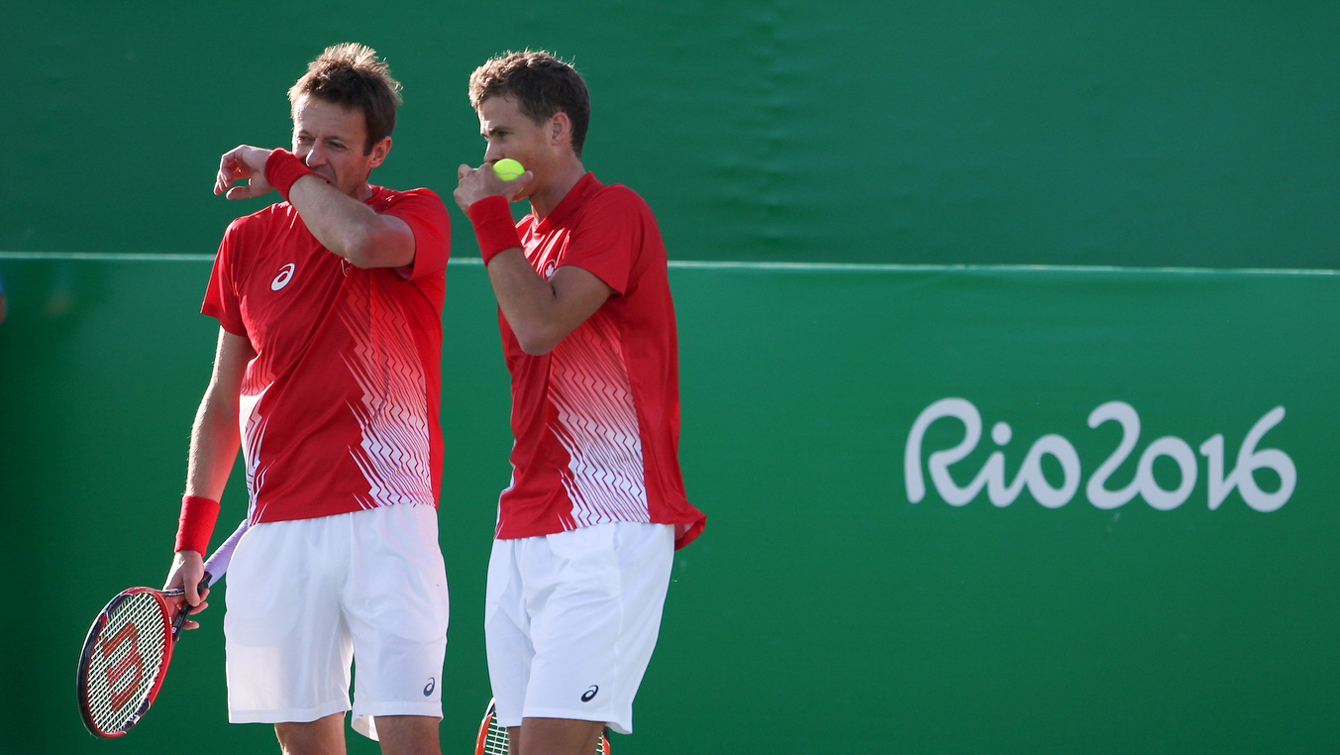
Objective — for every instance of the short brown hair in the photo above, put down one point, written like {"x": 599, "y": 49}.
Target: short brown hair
{"x": 541, "y": 84}
{"x": 350, "y": 75}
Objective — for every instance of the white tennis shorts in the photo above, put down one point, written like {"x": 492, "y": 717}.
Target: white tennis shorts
{"x": 570, "y": 620}
{"x": 307, "y": 596}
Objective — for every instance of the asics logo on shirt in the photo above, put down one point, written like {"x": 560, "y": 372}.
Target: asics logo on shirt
{"x": 285, "y": 275}
{"x": 590, "y": 693}
{"x": 428, "y": 688}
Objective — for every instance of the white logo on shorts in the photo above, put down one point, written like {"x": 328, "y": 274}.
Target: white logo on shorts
{"x": 281, "y": 280}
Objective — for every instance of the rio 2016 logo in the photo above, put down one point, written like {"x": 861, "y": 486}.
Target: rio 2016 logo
{"x": 1030, "y": 475}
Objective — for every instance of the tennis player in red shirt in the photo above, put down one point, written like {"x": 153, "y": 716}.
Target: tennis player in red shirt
{"x": 588, "y": 526}
{"x": 329, "y": 305}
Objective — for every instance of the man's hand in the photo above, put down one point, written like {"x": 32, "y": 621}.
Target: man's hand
{"x": 188, "y": 568}
{"x": 477, "y": 183}
{"x": 243, "y": 162}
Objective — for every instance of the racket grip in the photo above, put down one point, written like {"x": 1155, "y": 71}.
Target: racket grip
{"x": 185, "y": 609}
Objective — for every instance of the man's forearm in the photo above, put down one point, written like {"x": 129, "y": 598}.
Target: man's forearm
{"x": 527, "y": 301}
{"x": 214, "y": 442}
{"x": 342, "y": 223}
{"x": 542, "y": 312}
{"x": 350, "y": 228}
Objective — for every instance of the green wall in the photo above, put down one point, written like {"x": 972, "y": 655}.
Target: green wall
{"x": 820, "y": 601}
{"x": 1158, "y": 133}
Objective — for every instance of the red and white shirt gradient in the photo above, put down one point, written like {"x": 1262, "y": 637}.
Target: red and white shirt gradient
{"x": 339, "y": 408}
{"x": 596, "y": 420}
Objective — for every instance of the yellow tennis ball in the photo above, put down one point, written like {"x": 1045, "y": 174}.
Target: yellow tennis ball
{"x": 508, "y": 169}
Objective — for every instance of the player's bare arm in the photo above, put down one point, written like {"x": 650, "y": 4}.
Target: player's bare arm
{"x": 215, "y": 440}
{"x": 350, "y": 228}
{"x": 540, "y": 312}
{"x": 342, "y": 223}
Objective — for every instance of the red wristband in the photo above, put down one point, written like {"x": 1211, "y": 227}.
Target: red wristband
{"x": 494, "y": 228}
{"x": 283, "y": 169}
{"x": 196, "y": 524}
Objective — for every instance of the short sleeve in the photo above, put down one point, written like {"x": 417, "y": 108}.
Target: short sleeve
{"x": 427, "y": 217}
{"x": 608, "y": 237}
{"x": 221, "y": 299}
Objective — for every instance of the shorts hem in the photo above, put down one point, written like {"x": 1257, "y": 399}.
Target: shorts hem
{"x": 285, "y": 716}
{"x": 364, "y": 720}
{"x": 406, "y": 708}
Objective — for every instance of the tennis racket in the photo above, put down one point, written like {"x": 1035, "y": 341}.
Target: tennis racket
{"x": 126, "y": 653}
{"x": 492, "y": 739}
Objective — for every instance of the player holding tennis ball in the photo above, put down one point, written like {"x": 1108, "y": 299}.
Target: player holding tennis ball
{"x": 587, "y": 529}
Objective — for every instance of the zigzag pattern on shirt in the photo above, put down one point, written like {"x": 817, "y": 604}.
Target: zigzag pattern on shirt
{"x": 597, "y": 426}
{"x": 253, "y": 433}
{"x": 393, "y": 412}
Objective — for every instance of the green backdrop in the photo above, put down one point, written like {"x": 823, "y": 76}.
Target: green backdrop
{"x": 964, "y": 155}
{"x": 1190, "y": 133}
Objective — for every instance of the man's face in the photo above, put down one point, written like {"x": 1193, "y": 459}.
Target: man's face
{"x": 510, "y": 133}
{"x": 330, "y": 139}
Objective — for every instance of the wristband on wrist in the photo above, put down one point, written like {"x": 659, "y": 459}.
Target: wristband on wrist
{"x": 196, "y": 524}
{"x": 494, "y": 228}
{"x": 283, "y": 169}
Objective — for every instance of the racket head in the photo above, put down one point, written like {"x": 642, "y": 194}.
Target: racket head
{"x": 124, "y": 660}
{"x": 492, "y": 738}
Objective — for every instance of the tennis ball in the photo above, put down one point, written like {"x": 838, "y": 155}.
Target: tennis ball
{"x": 508, "y": 169}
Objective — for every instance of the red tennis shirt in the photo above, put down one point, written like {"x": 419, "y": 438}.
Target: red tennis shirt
{"x": 596, "y": 420}
{"x": 339, "y": 408}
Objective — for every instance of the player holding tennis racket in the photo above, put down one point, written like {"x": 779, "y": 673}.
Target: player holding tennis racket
{"x": 587, "y": 529}
{"x": 126, "y": 653}
{"x": 327, "y": 376}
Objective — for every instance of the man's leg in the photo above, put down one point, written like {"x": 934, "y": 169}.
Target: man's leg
{"x": 570, "y": 623}
{"x": 554, "y": 736}
{"x": 396, "y": 604}
{"x": 324, "y": 736}
{"x": 408, "y": 735}
{"x": 288, "y": 649}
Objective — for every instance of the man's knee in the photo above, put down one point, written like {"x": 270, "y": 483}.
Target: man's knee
{"x": 324, "y": 736}
{"x": 408, "y": 735}
{"x": 558, "y": 736}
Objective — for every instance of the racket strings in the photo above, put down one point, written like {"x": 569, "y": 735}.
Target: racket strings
{"x": 496, "y": 742}
{"x": 126, "y": 660}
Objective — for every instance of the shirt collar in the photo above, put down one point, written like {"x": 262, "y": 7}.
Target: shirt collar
{"x": 585, "y": 187}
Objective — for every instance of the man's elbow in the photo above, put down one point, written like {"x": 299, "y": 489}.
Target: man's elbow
{"x": 537, "y": 347}
{"x": 538, "y": 341}
{"x": 360, "y": 259}
{"x": 360, "y": 249}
